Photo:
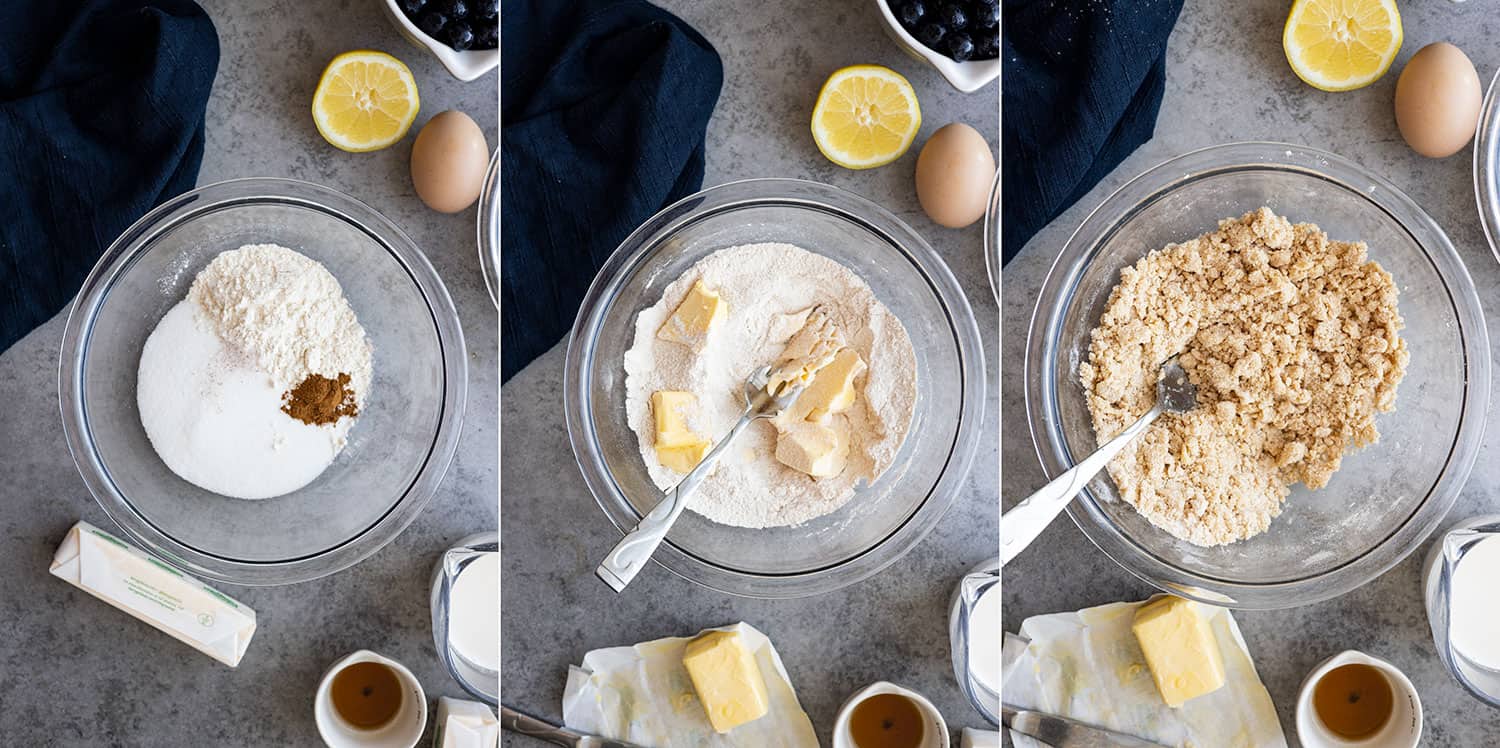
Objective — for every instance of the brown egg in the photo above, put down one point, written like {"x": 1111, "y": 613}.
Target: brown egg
{"x": 1437, "y": 100}
{"x": 954, "y": 174}
{"x": 448, "y": 162}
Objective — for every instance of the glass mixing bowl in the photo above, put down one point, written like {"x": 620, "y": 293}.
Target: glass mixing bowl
{"x": 1487, "y": 166}
{"x": 398, "y": 450}
{"x": 884, "y": 520}
{"x": 1388, "y": 496}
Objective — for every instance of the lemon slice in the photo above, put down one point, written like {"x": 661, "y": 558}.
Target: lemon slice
{"x": 365, "y": 101}
{"x": 866, "y": 116}
{"x": 1341, "y": 45}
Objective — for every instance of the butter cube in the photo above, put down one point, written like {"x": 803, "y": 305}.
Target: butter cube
{"x": 819, "y": 451}
{"x": 810, "y": 349}
{"x": 683, "y": 459}
{"x": 1180, "y": 649}
{"x": 727, "y": 679}
{"x": 700, "y": 311}
{"x": 671, "y": 409}
{"x": 832, "y": 389}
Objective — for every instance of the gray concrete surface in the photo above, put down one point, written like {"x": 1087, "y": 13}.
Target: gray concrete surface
{"x": 1227, "y": 80}
{"x": 75, "y": 672}
{"x": 892, "y": 627}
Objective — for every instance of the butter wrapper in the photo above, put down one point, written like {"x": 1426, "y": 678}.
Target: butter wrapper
{"x": 643, "y": 695}
{"x": 186, "y": 609}
{"x": 1089, "y": 667}
{"x": 465, "y": 724}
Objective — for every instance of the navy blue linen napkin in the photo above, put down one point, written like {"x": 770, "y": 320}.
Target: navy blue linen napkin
{"x": 101, "y": 119}
{"x": 1082, "y": 85}
{"x": 602, "y": 124}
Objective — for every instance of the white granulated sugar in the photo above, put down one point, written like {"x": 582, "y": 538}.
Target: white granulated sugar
{"x": 287, "y": 312}
{"x": 768, "y": 288}
{"x": 215, "y": 418}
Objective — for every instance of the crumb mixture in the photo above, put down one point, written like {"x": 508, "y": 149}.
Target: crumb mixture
{"x": 1293, "y": 342}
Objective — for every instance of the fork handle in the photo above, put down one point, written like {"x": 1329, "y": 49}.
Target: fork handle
{"x": 1026, "y": 520}
{"x": 630, "y": 555}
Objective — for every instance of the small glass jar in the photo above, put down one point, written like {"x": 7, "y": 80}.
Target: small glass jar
{"x": 480, "y": 681}
{"x": 982, "y": 580}
{"x": 1442, "y": 561}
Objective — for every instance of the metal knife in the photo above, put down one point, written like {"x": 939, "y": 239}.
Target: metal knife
{"x": 521, "y": 723}
{"x": 1061, "y": 732}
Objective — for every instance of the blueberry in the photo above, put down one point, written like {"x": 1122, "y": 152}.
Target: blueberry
{"x": 432, "y": 22}
{"x": 412, "y": 7}
{"x": 931, "y": 33}
{"x": 958, "y": 46}
{"x": 953, "y": 16}
{"x": 911, "y": 13}
{"x": 986, "y": 47}
{"x": 487, "y": 37}
{"x": 984, "y": 16}
{"x": 458, "y": 35}
{"x": 457, "y": 9}
{"x": 485, "y": 8}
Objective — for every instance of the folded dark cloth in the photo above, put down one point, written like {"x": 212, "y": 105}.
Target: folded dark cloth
{"x": 101, "y": 118}
{"x": 1082, "y": 85}
{"x": 602, "y": 125}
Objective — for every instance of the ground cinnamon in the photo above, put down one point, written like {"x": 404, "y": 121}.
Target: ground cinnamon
{"x": 318, "y": 400}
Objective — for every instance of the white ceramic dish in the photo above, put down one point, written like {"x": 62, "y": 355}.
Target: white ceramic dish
{"x": 1403, "y": 729}
{"x": 934, "y": 731}
{"x": 403, "y": 730}
{"x": 967, "y": 77}
{"x": 465, "y": 66}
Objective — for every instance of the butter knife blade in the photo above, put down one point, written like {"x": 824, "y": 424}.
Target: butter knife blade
{"x": 516, "y": 721}
{"x": 1062, "y": 732}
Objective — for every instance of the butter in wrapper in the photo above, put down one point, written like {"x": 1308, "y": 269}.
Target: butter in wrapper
{"x": 186, "y": 609}
{"x": 465, "y": 724}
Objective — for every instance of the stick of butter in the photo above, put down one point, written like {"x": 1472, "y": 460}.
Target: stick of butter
{"x": 728, "y": 681}
{"x": 465, "y": 724}
{"x": 1180, "y": 649}
{"x": 188, "y": 610}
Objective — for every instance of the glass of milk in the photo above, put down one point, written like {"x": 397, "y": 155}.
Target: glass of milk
{"x": 1462, "y": 606}
{"x": 466, "y": 614}
{"x": 975, "y": 636}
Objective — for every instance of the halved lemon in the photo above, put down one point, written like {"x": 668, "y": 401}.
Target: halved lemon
{"x": 365, "y": 101}
{"x": 1341, "y": 45}
{"x": 866, "y": 116}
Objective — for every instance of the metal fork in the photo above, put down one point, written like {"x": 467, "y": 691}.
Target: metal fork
{"x": 635, "y": 549}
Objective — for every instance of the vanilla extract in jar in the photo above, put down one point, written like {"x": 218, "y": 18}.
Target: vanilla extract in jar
{"x": 887, "y": 720}
{"x": 367, "y": 695}
{"x": 1354, "y": 701}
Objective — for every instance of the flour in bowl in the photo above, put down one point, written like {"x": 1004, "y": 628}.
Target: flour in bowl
{"x": 756, "y": 299}
{"x": 249, "y": 386}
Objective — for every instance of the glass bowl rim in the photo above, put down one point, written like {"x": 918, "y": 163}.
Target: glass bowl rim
{"x": 1163, "y": 178}
{"x": 1487, "y": 166}
{"x": 488, "y": 229}
{"x": 117, "y": 260}
{"x": 627, "y": 259}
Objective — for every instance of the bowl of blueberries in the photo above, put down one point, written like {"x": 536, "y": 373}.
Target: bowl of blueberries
{"x": 463, "y": 34}
{"x": 961, "y": 38}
